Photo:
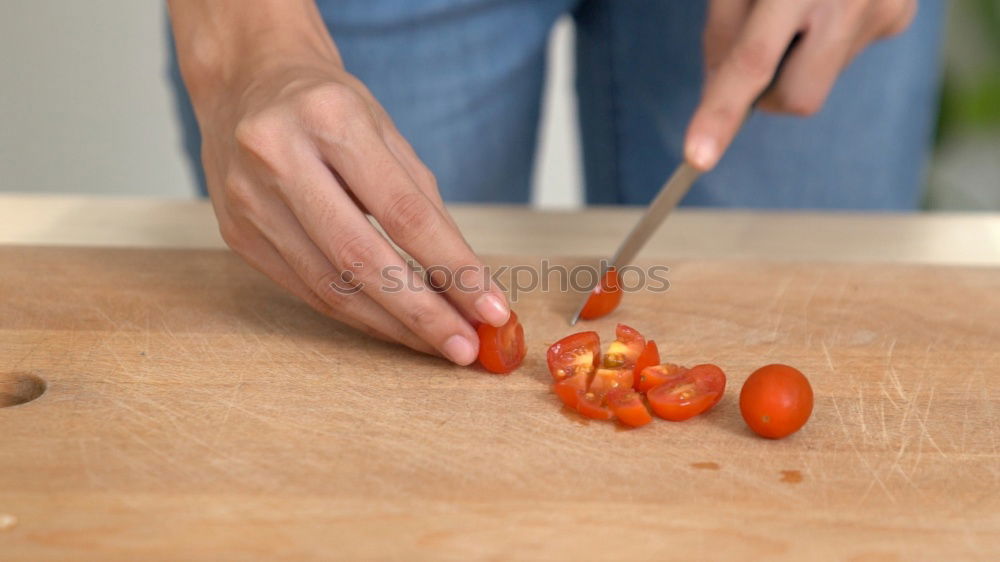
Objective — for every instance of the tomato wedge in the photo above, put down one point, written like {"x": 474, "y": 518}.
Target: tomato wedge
{"x": 579, "y": 380}
{"x": 650, "y": 356}
{"x": 628, "y": 407}
{"x": 608, "y": 380}
{"x": 605, "y": 298}
{"x": 652, "y": 377}
{"x": 583, "y": 402}
{"x": 688, "y": 394}
{"x": 573, "y": 355}
{"x": 501, "y": 350}
{"x": 626, "y": 349}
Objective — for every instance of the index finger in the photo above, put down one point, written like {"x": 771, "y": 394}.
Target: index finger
{"x": 417, "y": 224}
{"x": 743, "y": 75}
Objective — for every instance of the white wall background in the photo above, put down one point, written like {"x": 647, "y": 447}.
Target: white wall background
{"x": 84, "y": 100}
{"x": 86, "y": 107}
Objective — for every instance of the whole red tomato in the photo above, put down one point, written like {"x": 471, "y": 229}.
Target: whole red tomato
{"x": 776, "y": 401}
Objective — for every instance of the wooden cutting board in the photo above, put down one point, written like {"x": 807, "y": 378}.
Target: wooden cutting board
{"x": 192, "y": 410}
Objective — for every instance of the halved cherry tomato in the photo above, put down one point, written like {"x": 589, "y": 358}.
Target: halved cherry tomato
{"x": 688, "y": 394}
{"x": 569, "y": 393}
{"x": 625, "y": 350}
{"x": 628, "y": 407}
{"x": 575, "y": 354}
{"x": 501, "y": 350}
{"x": 652, "y": 377}
{"x": 649, "y": 357}
{"x": 605, "y": 297}
{"x": 591, "y": 408}
{"x": 579, "y": 380}
{"x": 582, "y": 402}
{"x": 776, "y": 401}
{"x": 607, "y": 380}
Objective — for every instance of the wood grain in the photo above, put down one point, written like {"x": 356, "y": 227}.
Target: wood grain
{"x": 193, "y": 411}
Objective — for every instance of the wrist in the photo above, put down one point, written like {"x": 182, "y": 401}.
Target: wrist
{"x": 221, "y": 46}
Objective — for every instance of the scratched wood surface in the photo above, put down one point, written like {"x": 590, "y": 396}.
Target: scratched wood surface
{"x": 193, "y": 411}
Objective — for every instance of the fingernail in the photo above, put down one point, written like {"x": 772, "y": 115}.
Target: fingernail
{"x": 493, "y": 310}
{"x": 459, "y": 350}
{"x": 702, "y": 152}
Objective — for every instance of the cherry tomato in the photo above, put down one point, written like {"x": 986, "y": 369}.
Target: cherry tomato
{"x": 605, "y": 297}
{"x": 688, "y": 394}
{"x": 776, "y": 401}
{"x": 607, "y": 380}
{"x": 579, "y": 380}
{"x": 652, "y": 377}
{"x": 501, "y": 350}
{"x": 649, "y": 357}
{"x": 569, "y": 393}
{"x": 625, "y": 350}
{"x": 575, "y": 354}
{"x": 628, "y": 407}
{"x": 583, "y": 402}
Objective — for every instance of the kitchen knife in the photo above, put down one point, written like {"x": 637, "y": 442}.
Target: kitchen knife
{"x": 666, "y": 200}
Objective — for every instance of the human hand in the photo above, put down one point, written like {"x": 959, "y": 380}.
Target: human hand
{"x": 745, "y": 40}
{"x": 296, "y": 153}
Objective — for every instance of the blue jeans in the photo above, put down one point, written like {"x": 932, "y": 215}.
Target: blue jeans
{"x": 463, "y": 81}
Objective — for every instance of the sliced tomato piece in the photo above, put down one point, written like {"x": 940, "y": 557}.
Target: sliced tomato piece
{"x": 579, "y": 380}
{"x": 590, "y": 407}
{"x": 583, "y": 402}
{"x": 628, "y": 407}
{"x": 573, "y": 355}
{"x": 608, "y": 380}
{"x": 625, "y": 350}
{"x": 688, "y": 394}
{"x": 649, "y": 357}
{"x": 501, "y": 350}
{"x": 652, "y": 377}
{"x": 605, "y": 298}
{"x": 568, "y": 393}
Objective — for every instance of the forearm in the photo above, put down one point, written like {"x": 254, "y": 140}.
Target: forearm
{"x": 220, "y": 42}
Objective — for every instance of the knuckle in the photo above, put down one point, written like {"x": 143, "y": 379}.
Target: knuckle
{"x": 752, "y": 59}
{"x": 258, "y": 134}
{"x": 803, "y": 105}
{"x": 900, "y": 18}
{"x": 239, "y": 195}
{"x": 327, "y": 289}
{"x": 411, "y": 215}
{"x": 420, "y": 316}
{"x": 234, "y": 237}
{"x": 263, "y": 137}
{"x": 427, "y": 177}
{"x": 355, "y": 253}
{"x": 716, "y": 37}
{"x": 334, "y": 106}
{"x": 727, "y": 113}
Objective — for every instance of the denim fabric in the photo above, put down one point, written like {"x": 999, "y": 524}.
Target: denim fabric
{"x": 463, "y": 80}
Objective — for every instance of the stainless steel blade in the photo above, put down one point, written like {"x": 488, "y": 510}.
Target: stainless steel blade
{"x": 666, "y": 200}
